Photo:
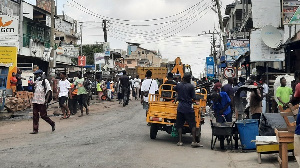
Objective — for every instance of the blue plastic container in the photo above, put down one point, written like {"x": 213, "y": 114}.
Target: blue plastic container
{"x": 248, "y": 130}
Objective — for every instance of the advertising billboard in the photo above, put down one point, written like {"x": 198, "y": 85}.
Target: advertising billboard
{"x": 8, "y": 25}
{"x": 210, "y": 66}
{"x": 239, "y": 45}
{"x": 8, "y": 58}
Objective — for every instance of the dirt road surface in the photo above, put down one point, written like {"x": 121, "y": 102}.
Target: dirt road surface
{"x": 111, "y": 137}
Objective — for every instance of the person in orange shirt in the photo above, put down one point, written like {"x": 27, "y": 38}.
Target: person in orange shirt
{"x": 73, "y": 98}
{"x": 13, "y": 83}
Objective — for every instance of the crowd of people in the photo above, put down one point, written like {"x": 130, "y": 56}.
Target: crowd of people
{"x": 244, "y": 99}
{"x": 73, "y": 93}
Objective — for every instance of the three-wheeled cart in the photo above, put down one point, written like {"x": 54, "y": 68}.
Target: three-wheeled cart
{"x": 162, "y": 114}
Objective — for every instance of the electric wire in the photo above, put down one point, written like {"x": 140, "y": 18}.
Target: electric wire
{"x": 157, "y": 40}
{"x": 146, "y": 20}
{"x": 155, "y": 34}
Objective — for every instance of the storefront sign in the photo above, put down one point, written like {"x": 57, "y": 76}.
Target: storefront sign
{"x": 68, "y": 50}
{"x": 210, "y": 66}
{"x": 240, "y": 46}
{"x": 81, "y": 61}
{"x": 8, "y": 56}
{"x": 8, "y": 25}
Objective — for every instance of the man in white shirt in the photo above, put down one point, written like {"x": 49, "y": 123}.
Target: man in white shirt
{"x": 265, "y": 93}
{"x": 64, "y": 89}
{"x": 137, "y": 86}
{"x": 149, "y": 86}
{"x": 41, "y": 95}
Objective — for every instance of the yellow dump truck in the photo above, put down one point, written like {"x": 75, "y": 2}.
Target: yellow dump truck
{"x": 157, "y": 72}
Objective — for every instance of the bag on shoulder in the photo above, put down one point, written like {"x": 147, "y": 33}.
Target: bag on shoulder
{"x": 146, "y": 93}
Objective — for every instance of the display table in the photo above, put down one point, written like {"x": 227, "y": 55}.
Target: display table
{"x": 268, "y": 145}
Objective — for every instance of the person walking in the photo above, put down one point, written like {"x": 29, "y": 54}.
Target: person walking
{"x": 230, "y": 92}
{"x": 99, "y": 90}
{"x": 64, "y": 90}
{"x": 185, "y": 111}
{"x": 125, "y": 84}
{"x": 137, "y": 87}
{"x": 81, "y": 94}
{"x": 149, "y": 86}
{"x": 30, "y": 84}
{"x": 265, "y": 94}
{"x": 41, "y": 95}
{"x": 283, "y": 94}
{"x": 255, "y": 102}
{"x": 19, "y": 78}
{"x": 73, "y": 98}
{"x": 108, "y": 90}
{"x": 13, "y": 84}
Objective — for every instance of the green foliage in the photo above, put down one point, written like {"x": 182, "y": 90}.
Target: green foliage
{"x": 88, "y": 51}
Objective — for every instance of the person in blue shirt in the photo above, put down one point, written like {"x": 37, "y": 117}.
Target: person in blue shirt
{"x": 221, "y": 107}
{"x": 185, "y": 111}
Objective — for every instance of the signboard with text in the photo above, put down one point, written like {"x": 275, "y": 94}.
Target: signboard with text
{"x": 210, "y": 66}
{"x": 8, "y": 58}
{"x": 240, "y": 46}
{"x": 106, "y": 48}
{"x": 8, "y": 25}
{"x": 81, "y": 61}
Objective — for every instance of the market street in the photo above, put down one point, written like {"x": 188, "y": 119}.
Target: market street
{"x": 113, "y": 137}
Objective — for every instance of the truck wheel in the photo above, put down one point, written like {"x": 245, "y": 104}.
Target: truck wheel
{"x": 153, "y": 131}
{"x": 198, "y": 134}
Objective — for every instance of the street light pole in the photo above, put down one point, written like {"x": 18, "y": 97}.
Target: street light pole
{"x": 52, "y": 54}
{"x": 81, "y": 46}
{"x": 81, "y": 38}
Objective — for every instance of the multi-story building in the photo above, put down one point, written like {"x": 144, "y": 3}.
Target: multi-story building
{"x": 142, "y": 57}
{"x": 36, "y": 38}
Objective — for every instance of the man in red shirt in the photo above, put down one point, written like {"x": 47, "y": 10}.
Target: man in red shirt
{"x": 13, "y": 83}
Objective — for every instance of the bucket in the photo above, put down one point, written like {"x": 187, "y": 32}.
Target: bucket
{"x": 248, "y": 130}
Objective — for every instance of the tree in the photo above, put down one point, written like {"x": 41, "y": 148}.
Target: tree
{"x": 88, "y": 51}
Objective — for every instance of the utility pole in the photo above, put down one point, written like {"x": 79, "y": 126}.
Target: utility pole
{"x": 52, "y": 55}
{"x": 21, "y": 25}
{"x": 221, "y": 24}
{"x": 104, "y": 30}
{"x": 221, "y": 31}
{"x": 213, "y": 48}
{"x": 81, "y": 45}
{"x": 81, "y": 38}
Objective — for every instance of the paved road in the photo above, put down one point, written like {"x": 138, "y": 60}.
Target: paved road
{"x": 112, "y": 137}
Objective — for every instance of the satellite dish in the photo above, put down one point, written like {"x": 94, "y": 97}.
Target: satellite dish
{"x": 232, "y": 52}
{"x": 271, "y": 36}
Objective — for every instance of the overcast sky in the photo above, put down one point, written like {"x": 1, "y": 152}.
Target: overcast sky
{"x": 186, "y": 44}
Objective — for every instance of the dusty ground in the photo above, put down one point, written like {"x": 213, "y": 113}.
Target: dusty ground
{"x": 112, "y": 136}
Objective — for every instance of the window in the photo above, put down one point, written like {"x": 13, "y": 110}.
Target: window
{"x": 129, "y": 62}
{"x": 143, "y": 52}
